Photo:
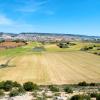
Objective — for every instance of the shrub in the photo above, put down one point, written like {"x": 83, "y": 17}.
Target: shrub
{"x": 29, "y": 86}
{"x": 1, "y": 85}
{"x": 82, "y": 83}
{"x": 16, "y": 84}
{"x": 21, "y": 90}
{"x": 86, "y": 97}
{"x": 93, "y": 94}
{"x": 8, "y": 85}
{"x": 98, "y": 97}
{"x": 95, "y": 53}
{"x": 14, "y": 93}
{"x": 84, "y": 49}
{"x": 76, "y": 97}
{"x": 57, "y": 94}
{"x": 90, "y": 47}
{"x": 92, "y": 84}
{"x": 34, "y": 94}
{"x": 80, "y": 97}
{"x": 53, "y": 88}
{"x": 63, "y": 45}
{"x": 68, "y": 90}
{"x": 71, "y": 44}
{"x": 40, "y": 98}
{"x": 1, "y": 93}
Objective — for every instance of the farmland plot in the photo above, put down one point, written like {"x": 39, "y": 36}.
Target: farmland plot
{"x": 53, "y": 68}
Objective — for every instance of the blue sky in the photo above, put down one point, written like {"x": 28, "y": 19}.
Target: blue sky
{"x": 56, "y": 16}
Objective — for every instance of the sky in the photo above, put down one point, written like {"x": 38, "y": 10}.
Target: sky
{"x": 50, "y": 16}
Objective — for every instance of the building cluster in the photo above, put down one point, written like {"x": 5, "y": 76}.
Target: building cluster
{"x": 38, "y": 37}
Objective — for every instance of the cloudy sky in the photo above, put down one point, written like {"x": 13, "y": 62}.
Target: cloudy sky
{"x": 56, "y": 16}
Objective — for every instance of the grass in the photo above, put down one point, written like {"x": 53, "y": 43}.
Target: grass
{"x": 19, "y": 50}
{"x": 77, "y": 47}
{"x": 49, "y": 48}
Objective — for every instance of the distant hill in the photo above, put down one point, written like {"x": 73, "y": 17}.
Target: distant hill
{"x": 46, "y": 36}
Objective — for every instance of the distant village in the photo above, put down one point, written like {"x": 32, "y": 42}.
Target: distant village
{"x": 45, "y": 37}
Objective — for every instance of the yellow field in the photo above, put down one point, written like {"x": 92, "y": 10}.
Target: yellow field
{"x": 52, "y": 68}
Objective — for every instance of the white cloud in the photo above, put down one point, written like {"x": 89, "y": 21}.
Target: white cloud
{"x": 31, "y": 6}
{"x": 7, "y": 24}
{"x": 5, "y": 21}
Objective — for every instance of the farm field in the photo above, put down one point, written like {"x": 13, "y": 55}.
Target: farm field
{"x": 51, "y": 67}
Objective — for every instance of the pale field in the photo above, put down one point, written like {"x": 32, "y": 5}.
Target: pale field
{"x": 52, "y": 68}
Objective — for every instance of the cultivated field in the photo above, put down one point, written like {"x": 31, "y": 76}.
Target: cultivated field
{"x": 11, "y": 44}
{"x": 51, "y": 67}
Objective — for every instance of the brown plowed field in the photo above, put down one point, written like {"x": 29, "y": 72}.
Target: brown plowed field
{"x": 11, "y": 44}
{"x": 53, "y": 68}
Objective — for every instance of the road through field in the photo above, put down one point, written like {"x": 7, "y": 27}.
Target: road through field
{"x": 53, "y": 68}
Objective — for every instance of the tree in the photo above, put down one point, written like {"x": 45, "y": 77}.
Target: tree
{"x": 29, "y": 86}
{"x": 92, "y": 84}
{"x": 63, "y": 45}
{"x": 82, "y": 83}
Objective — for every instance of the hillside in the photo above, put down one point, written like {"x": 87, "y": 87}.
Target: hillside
{"x": 53, "y": 66}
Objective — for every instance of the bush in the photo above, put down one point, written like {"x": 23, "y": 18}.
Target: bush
{"x": 68, "y": 90}
{"x": 14, "y": 93}
{"x": 92, "y": 84}
{"x": 93, "y": 94}
{"x": 98, "y": 97}
{"x": 1, "y": 93}
{"x": 53, "y": 88}
{"x": 1, "y": 85}
{"x": 82, "y": 83}
{"x": 34, "y": 94}
{"x": 8, "y": 85}
{"x": 80, "y": 97}
{"x": 95, "y": 53}
{"x": 84, "y": 49}
{"x": 21, "y": 90}
{"x": 41, "y": 98}
{"x": 16, "y": 84}
{"x": 90, "y": 47}
{"x": 76, "y": 97}
{"x": 29, "y": 86}
{"x": 63, "y": 45}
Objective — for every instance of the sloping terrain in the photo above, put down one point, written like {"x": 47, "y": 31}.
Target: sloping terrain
{"x": 52, "y": 68}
